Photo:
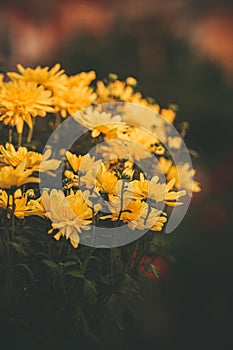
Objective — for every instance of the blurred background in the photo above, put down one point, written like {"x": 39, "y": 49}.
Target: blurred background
{"x": 180, "y": 51}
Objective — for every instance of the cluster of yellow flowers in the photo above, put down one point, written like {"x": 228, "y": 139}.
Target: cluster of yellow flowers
{"x": 36, "y": 92}
{"x": 108, "y": 186}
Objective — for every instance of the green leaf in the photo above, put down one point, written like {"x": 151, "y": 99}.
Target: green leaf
{"x": 90, "y": 291}
{"x": 18, "y": 248}
{"x": 75, "y": 258}
{"x": 75, "y": 274}
{"x": 51, "y": 264}
{"x": 69, "y": 263}
{"x": 24, "y": 266}
{"x": 115, "y": 254}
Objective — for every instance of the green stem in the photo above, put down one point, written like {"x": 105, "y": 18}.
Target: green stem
{"x": 122, "y": 202}
{"x": 12, "y": 228}
{"x": 30, "y": 132}
{"x": 19, "y": 140}
{"x": 49, "y": 249}
{"x": 57, "y": 120}
{"x": 10, "y": 135}
{"x": 133, "y": 256}
{"x": 148, "y": 212}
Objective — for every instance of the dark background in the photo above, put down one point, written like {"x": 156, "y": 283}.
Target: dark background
{"x": 180, "y": 52}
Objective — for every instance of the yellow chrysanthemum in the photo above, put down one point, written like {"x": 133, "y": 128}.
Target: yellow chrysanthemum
{"x": 155, "y": 220}
{"x": 125, "y": 210}
{"x": 20, "y": 101}
{"x": 94, "y": 119}
{"x": 122, "y": 91}
{"x": 174, "y": 142}
{"x": 155, "y": 124}
{"x": 74, "y": 95}
{"x": 82, "y": 163}
{"x": 116, "y": 90}
{"x": 10, "y": 176}
{"x": 145, "y": 138}
{"x": 23, "y": 205}
{"x": 123, "y": 149}
{"x": 34, "y": 160}
{"x": 86, "y": 167}
{"x": 106, "y": 181}
{"x": 168, "y": 114}
{"x": 69, "y": 215}
{"x": 81, "y": 79}
{"x": 20, "y": 202}
{"x": 40, "y": 75}
{"x": 164, "y": 165}
{"x": 152, "y": 189}
{"x": 3, "y": 199}
{"x": 183, "y": 176}
{"x": 136, "y": 213}
{"x": 72, "y": 179}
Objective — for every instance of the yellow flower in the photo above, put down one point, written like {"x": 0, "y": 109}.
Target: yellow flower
{"x": 34, "y": 160}
{"x": 41, "y": 162}
{"x": 123, "y": 149}
{"x": 129, "y": 212}
{"x": 18, "y": 176}
{"x": 20, "y": 202}
{"x": 116, "y": 90}
{"x": 138, "y": 189}
{"x": 164, "y": 165}
{"x": 86, "y": 167}
{"x": 155, "y": 220}
{"x": 123, "y": 91}
{"x": 83, "y": 79}
{"x": 159, "y": 192}
{"x": 174, "y": 142}
{"x": 73, "y": 179}
{"x": 111, "y": 130}
{"x": 35, "y": 207}
{"x": 183, "y": 176}
{"x": 131, "y": 81}
{"x": 9, "y": 155}
{"x": 82, "y": 163}
{"x": 144, "y": 138}
{"x": 150, "y": 219}
{"x": 69, "y": 215}
{"x": 20, "y": 101}
{"x": 127, "y": 173}
{"x": 168, "y": 114}
{"x": 42, "y": 76}
{"x": 162, "y": 192}
{"x": 92, "y": 200}
{"x": 155, "y": 125}
{"x": 3, "y": 199}
{"x": 136, "y": 213}
{"x": 74, "y": 95}
{"x": 78, "y": 204}
{"x": 171, "y": 197}
{"x": 23, "y": 206}
{"x": 106, "y": 181}
{"x": 94, "y": 119}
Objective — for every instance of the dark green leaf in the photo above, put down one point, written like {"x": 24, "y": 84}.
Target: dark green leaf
{"x": 75, "y": 274}
{"x": 51, "y": 264}
{"x": 27, "y": 268}
{"x": 90, "y": 291}
{"x": 18, "y": 248}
